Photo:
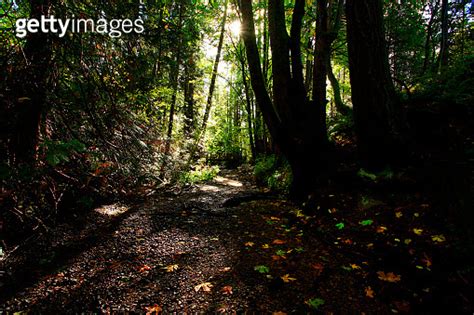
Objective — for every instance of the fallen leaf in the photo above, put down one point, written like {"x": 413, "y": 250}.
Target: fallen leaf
{"x": 277, "y": 258}
{"x": 315, "y": 303}
{"x": 389, "y": 277}
{"x": 407, "y": 241}
{"x": 398, "y": 214}
{"x": 278, "y": 313}
{"x": 171, "y": 268}
{"x": 438, "y": 238}
{"x": 225, "y": 269}
{"x": 205, "y": 286}
{"x": 402, "y": 306}
{"x": 249, "y": 244}
{"x": 318, "y": 267}
{"x": 265, "y": 246}
{"x": 262, "y": 269}
{"x": 227, "y": 290}
{"x": 381, "y": 229}
{"x": 144, "y": 268}
{"x": 280, "y": 252}
{"x": 418, "y": 231}
{"x": 340, "y": 225}
{"x": 275, "y": 218}
{"x": 369, "y": 292}
{"x": 355, "y": 267}
{"x": 366, "y": 222}
{"x": 426, "y": 260}
{"x": 278, "y": 242}
{"x": 347, "y": 241}
{"x": 286, "y": 278}
{"x": 153, "y": 309}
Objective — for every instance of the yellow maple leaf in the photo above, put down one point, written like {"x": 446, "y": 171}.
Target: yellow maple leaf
{"x": 355, "y": 266}
{"x": 205, "y": 286}
{"x": 369, "y": 292}
{"x": 286, "y": 278}
{"x": 438, "y": 238}
{"x": 171, "y": 268}
{"x": 389, "y": 277}
{"x": 418, "y": 231}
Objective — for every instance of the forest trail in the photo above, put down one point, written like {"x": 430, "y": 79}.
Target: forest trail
{"x": 187, "y": 253}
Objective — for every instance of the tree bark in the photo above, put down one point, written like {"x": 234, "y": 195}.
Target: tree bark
{"x": 443, "y": 53}
{"x": 30, "y": 90}
{"x": 290, "y": 117}
{"x": 214, "y": 74}
{"x": 375, "y": 104}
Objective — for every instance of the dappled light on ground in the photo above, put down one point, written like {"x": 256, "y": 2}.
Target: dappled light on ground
{"x": 112, "y": 210}
{"x": 228, "y": 181}
{"x": 209, "y": 188}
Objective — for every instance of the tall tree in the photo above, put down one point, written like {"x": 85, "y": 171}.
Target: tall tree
{"x": 215, "y": 67}
{"x": 443, "y": 53}
{"x": 29, "y": 89}
{"x": 376, "y": 109}
{"x": 291, "y": 117}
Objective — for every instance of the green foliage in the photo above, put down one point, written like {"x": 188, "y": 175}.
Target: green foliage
{"x": 340, "y": 125}
{"x": 315, "y": 303}
{"x": 262, "y": 269}
{"x": 386, "y": 174}
{"x": 58, "y": 152}
{"x": 199, "y": 174}
{"x": 274, "y": 172}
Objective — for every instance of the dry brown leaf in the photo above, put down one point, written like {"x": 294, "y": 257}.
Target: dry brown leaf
{"x": 279, "y": 242}
{"x": 402, "y": 306}
{"x": 369, "y": 292}
{"x": 227, "y": 290}
{"x": 205, "y": 286}
{"x": 277, "y": 258}
{"x": 381, "y": 229}
{"x": 144, "y": 268}
{"x": 286, "y": 278}
{"x": 318, "y": 267}
{"x": 155, "y": 309}
{"x": 249, "y": 244}
{"x": 389, "y": 277}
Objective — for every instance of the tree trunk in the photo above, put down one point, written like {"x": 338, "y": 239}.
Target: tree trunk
{"x": 290, "y": 117}
{"x": 214, "y": 74}
{"x": 375, "y": 104}
{"x": 174, "y": 78}
{"x": 190, "y": 70}
{"x": 429, "y": 35}
{"x": 341, "y": 108}
{"x": 321, "y": 55}
{"x": 29, "y": 90}
{"x": 443, "y": 53}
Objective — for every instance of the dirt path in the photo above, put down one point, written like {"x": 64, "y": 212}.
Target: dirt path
{"x": 188, "y": 253}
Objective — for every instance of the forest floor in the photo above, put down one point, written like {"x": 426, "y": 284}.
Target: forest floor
{"x": 211, "y": 248}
